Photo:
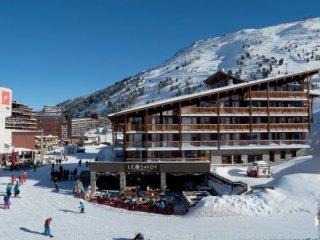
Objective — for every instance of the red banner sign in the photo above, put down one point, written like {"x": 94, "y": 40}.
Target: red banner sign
{"x": 6, "y": 99}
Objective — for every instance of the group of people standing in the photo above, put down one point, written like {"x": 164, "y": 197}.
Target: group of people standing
{"x": 13, "y": 187}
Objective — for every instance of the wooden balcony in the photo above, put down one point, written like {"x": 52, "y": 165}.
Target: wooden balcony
{"x": 262, "y": 142}
{"x": 199, "y": 127}
{"x": 163, "y": 127}
{"x": 280, "y": 111}
{"x": 263, "y": 95}
{"x": 134, "y": 128}
{"x": 245, "y": 111}
{"x": 185, "y": 159}
{"x": 213, "y": 128}
{"x": 234, "y": 127}
{"x": 214, "y": 144}
{"x": 299, "y": 127}
{"x": 199, "y": 111}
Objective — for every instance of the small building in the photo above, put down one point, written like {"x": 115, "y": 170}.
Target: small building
{"x": 53, "y": 122}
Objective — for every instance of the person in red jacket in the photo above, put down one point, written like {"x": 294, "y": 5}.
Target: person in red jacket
{"x": 47, "y": 230}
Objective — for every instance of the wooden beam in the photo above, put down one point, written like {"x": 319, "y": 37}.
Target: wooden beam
{"x": 218, "y": 115}
{"x": 268, "y": 110}
{"x": 180, "y": 132}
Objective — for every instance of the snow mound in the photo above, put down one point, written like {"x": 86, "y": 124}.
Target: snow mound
{"x": 259, "y": 203}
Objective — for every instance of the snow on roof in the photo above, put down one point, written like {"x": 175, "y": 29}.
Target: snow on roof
{"x": 210, "y": 91}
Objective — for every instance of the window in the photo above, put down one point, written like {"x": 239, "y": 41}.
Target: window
{"x": 226, "y": 159}
{"x": 271, "y": 156}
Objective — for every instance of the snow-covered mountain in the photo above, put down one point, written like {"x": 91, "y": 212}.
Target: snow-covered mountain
{"x": 249, "y": 54}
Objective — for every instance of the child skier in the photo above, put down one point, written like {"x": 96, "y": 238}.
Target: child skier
{"x": 13, "y": 179}
{"x": 7, "y": 202}
{"x": 47, "y": 230}
{"x": 21, "y": 180}
{"x": 16, "y": 189}
{"x": 81, "y": 206}
{"x": 9, "y": 189}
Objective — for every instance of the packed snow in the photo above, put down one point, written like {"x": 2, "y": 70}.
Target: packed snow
{"x": 285, "y": 212}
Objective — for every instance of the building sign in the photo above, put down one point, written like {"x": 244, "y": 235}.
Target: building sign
{"x": 142, "y": 167}
{"x": 5, "y": 101}
{"x": 6, "y": 96}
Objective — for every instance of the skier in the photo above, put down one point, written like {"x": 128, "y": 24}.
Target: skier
{"x": 24, "y": 176}
{"x": 56, "y": 185}
{"x": 6, "y": 201}
{"x": 81, "y": 206}
{"x": 79, "y": 163}
{"x": 16, "y": 189}
{"x": 47, "y": 230}
{"x": 8, "y": 189}
{"x": 13, "y": 179}
{"x": 21, "y": 180}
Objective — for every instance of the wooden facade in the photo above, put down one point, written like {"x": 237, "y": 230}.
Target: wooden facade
{"x": 266, "y": 118}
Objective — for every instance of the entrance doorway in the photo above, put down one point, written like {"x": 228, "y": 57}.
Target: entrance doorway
{"x": 109, "y": 181}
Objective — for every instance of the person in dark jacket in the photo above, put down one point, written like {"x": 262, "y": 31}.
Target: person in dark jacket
{"x": 16, "y": 189}
{"x": 9, "y": 189}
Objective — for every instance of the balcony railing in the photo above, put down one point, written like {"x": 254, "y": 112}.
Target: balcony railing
{"x": 289, "y": 126}
{"x": 185, "y": 159}
{"x": 280, "y": 94}
{"x": 164, "y": 144}
{"x": 262, "y": 142}
{"x": 214, "y": 127}
{"x": 235, "y": 127}
{"x": 214, "y": 143}
{"x": 199, "y": 127}
{"x": 236, "y": 111}
{"x": 199, "y": 110}
{"x": 134, "y": 128}
{"x": 162, "y": 127}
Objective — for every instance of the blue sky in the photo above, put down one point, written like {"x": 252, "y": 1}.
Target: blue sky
{"x": 51, "y": 51}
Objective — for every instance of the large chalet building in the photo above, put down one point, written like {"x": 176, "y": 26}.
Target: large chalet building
{"x": 234, "y": 122}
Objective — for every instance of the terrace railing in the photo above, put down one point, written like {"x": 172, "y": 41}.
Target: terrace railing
{"x": 214, "y": 127}
{"x": 236, "y": 111}
{"x": 277, "y": 95}
{"x": 213, "y": 144}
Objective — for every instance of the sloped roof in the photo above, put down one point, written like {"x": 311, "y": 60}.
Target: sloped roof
{"x": 222, "y": 75}
{"x": 211, "y": 91}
